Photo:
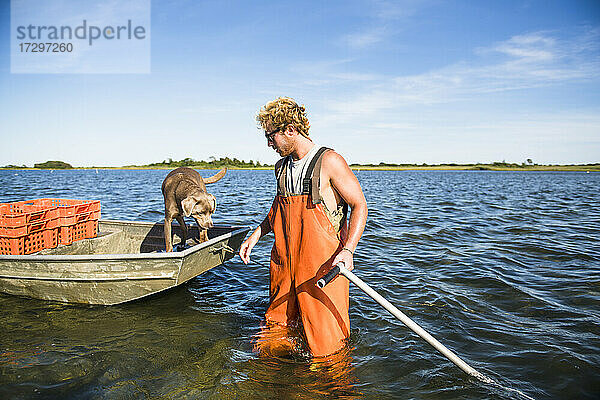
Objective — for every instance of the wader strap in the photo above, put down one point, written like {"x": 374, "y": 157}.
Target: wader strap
{"x": 316, "y": 183}
{"x": 312, "y": 179}
{"x": 280, "y": 174}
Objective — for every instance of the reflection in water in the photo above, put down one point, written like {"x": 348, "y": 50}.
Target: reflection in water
{"x": 496, "y": 265}
{"x": 300, "y": 376}
{"x": 276, "y": 340}
{"x": 282, "y": 350}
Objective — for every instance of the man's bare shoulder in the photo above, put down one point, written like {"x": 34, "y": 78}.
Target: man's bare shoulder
{"x": 333, "y": 162}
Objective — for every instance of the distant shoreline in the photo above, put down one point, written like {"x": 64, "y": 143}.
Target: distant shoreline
{"x": 484, "y": 167}
{"x": 442, "y": 167}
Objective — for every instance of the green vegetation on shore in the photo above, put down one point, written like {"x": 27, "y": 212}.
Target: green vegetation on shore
{"x": 496, "y": 166}
{"x": 53, "y": 165}
{"x": 241, "y": 164}
{"x": 212, "y": 164}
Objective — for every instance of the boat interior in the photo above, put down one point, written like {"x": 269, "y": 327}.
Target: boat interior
{"x": 131, "y": 238}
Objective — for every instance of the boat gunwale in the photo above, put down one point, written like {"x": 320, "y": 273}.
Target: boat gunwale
{"x": 127, "y": 256}
{"x": 170, "y": 276}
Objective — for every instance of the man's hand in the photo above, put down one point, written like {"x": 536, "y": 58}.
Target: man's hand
{"x": 346, "y": 257}
{"x": 246, "y": 248}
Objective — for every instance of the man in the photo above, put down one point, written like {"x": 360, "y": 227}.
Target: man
{"x": 315, "y": 186}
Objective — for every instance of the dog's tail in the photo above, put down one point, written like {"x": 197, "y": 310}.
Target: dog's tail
{"x": 216, "y": 177}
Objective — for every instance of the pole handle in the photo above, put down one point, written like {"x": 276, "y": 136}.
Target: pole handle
{"x": 328, "y": 277}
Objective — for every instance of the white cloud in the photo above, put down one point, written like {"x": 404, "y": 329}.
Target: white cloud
{"x": 530, "y": 48}
{"x": 395, "y": 9}
{"x": 521, "y": 62}
{"x": 436, "y": 116}
{"x": 363, "y": 39}
{"x": 381, "y": 15}
{"x": 354, "y": 76}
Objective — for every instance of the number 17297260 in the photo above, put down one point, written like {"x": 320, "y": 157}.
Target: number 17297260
{"x": 46, "y": 47}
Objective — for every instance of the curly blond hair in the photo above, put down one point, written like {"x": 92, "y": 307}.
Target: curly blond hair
{"x": 280, "y": 113}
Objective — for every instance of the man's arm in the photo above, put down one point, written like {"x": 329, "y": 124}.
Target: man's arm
{"x": 344, "y": 182}
{"x": 260, "y": 231}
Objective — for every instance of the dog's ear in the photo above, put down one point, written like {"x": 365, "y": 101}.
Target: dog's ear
{"x": 188, "y": 205}
{"x": 213, "y": 203}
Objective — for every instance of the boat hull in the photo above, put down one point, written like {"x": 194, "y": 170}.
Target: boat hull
{"x": 123, "y": 263}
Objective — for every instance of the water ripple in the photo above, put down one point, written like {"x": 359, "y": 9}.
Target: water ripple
{"x": 502, "y": 267}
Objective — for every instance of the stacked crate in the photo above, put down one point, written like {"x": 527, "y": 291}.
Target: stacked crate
{"x": 30, "y": 226}
{"x": 26, "y": 228}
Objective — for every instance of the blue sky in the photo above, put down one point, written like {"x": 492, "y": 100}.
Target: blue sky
{"x": 383, "y": 81}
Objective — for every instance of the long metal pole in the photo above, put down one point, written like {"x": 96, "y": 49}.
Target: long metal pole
{"x": 407, "y": 321}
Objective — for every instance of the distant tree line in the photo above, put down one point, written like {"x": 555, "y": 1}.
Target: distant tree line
{"x": 11, "y": 166}
{"x": 53, "y": 165}
{"x": 499, "y": 164}
{"x": 44, "y": 165}
{"x": 383, "y": 164}
{"x": 212, "y": 164}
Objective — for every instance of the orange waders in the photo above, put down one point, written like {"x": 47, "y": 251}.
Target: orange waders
{"x": 305, "y": 245}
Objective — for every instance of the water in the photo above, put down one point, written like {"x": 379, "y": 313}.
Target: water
{"x": 501, "y": 267}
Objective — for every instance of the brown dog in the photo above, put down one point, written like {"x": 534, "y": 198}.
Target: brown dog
{"x": 185, "y": 194}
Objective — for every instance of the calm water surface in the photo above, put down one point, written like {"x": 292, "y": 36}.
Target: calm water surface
{"x": 501, "y": 267}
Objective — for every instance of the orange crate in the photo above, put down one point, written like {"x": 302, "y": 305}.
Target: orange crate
{"x": 78, "y": 231}
{"x": 69, "y": 207}
{"x": 19, "y": 215}
{"x": 30, "y": 243}
{"x": 26, "y": 229}
{"x": 33, "y": 225}
{"x": 77, "y": 218}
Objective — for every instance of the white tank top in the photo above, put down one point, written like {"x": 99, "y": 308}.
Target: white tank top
{"x": 296, "y": 171}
